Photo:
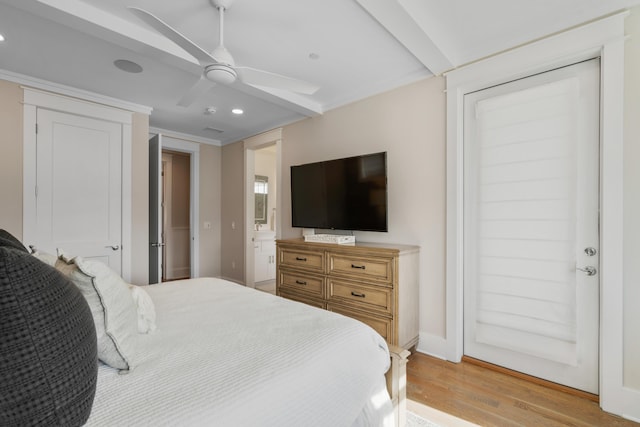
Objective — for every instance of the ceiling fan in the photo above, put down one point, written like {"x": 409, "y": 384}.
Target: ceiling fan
{"x": 219, "y": 66}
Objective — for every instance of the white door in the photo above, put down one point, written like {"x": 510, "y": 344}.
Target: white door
{"x": 155, "y": 210}
{"x": 531, "y": 287}
{"x": 79, "y": 186}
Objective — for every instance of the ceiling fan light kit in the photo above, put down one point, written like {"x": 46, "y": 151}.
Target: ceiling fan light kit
{"x": 221, "y": 73}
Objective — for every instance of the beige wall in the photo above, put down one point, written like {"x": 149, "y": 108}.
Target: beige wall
{"x": 232, "y": 203}
{"x": 210, "y": 195}
{"x": 409, "y": 124}
{"x": 11, "y": 158}
{"x": 632, "y": 203}
{"x": 140, "y": 199}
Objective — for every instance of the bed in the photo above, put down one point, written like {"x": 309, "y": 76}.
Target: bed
{"x": 222, "y": 354}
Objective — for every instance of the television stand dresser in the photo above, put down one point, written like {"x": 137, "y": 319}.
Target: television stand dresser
{"x": 376, "y": 283}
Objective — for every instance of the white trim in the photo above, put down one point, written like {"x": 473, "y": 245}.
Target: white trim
{"x": 29, "y": 178}
{"x": 614, "y": 396}
{"x": 249, "y": 214}
{"x": 192, "y": 148}
{"x": 432, "y": 345}
{"x": 185, "y": 136}
{"x": 78, "y": 107}
{"x": 127, "y": 202}
{"x": 250, "y": 145}
{"x": 34, "y": 99}
{"x": 73, "y": 92}
{"x": 603, "y": 38}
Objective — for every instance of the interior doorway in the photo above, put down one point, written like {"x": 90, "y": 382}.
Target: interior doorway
{"x": 265, "y": 198}
{"x": 262, "y": 168}
{"x": 176, "y": 214}
{"x": 173, "y": 208}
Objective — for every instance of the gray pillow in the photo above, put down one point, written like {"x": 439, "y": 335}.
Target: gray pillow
{"x": 48, "y": 352}
{"x": 7, "y": 239}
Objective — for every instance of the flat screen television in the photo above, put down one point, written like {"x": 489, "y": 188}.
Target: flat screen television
{"x": 341, "y": 194}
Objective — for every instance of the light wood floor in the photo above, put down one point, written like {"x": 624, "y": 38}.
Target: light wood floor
{"x": 490, "y": 398}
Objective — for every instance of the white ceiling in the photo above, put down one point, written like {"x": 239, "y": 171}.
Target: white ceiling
{"x": 363, "y": 47}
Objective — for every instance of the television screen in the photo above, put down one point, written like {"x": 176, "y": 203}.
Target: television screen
{"x": 341, "y": 194}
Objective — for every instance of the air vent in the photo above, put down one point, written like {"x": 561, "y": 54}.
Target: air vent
{"x": 214, "y": 130}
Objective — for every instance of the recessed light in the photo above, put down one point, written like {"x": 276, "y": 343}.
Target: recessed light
{"x": 127, "y": 66}
{"x": 1, "y": 38}
{"x": 237, "y": 111}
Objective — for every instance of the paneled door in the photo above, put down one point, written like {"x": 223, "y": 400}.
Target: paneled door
{"x": 531, "y": 282}
{"x": 156, "y": 242}
{"x": 79, "y": 186}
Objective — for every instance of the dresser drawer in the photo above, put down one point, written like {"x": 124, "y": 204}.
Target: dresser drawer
{"x": 291, "y": 281}
{"x": 302, "y": 299}
{"x": 377, "y": 268}
{"x": 359, "y": 295}
{"x": 381, "y": 325}
{"x": 301, "y": 259}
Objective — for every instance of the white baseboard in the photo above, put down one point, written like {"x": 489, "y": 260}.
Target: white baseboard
{"x": 432, "y": 345}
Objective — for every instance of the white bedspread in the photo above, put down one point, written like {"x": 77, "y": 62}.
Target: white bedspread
{"x": 225, "y": 355}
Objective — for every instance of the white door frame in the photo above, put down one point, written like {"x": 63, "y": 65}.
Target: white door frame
{"x": 250, "y": 146}
{"x": 604, "y": 39}
{"x": 174, "y": 143}
{"x": 34, "y": 99}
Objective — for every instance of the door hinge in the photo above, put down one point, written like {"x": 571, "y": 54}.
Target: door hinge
{"x": 36, "y": 191}
{"x": 36, "y": 128}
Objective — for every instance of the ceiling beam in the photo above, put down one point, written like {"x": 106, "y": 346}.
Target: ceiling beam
{"x": 398, "y": 21}
{"x": 283, "y": 98}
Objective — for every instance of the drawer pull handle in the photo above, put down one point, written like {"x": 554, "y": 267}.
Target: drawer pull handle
{"x": 357, "y": 294}
{"x": 300, "y": 259}
{"x": 361, "y": 267}
{"x": 300, "y": 282}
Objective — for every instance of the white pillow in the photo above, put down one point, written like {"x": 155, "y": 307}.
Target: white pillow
{"x": 112, "y": 306}
{"x": 145, "y": 308}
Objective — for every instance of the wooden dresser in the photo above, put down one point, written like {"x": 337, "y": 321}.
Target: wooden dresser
{"x": 373, "y": 282}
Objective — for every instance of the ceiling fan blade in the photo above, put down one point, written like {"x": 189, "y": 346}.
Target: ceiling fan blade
{"x": 254, "y": 77}
{"x": 200, "y": 87}
{"x": 178, "y": 38}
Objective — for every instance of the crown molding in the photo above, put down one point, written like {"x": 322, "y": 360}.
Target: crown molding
{"x": 61, "y": 89}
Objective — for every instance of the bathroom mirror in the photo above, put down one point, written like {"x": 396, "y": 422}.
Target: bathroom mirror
{"x": 261, "y": 190}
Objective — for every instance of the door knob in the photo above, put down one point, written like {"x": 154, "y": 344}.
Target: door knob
{"x": 588, "y": 270}
{"x": 157, "y": 245}
{"x": 115, "y": 248}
